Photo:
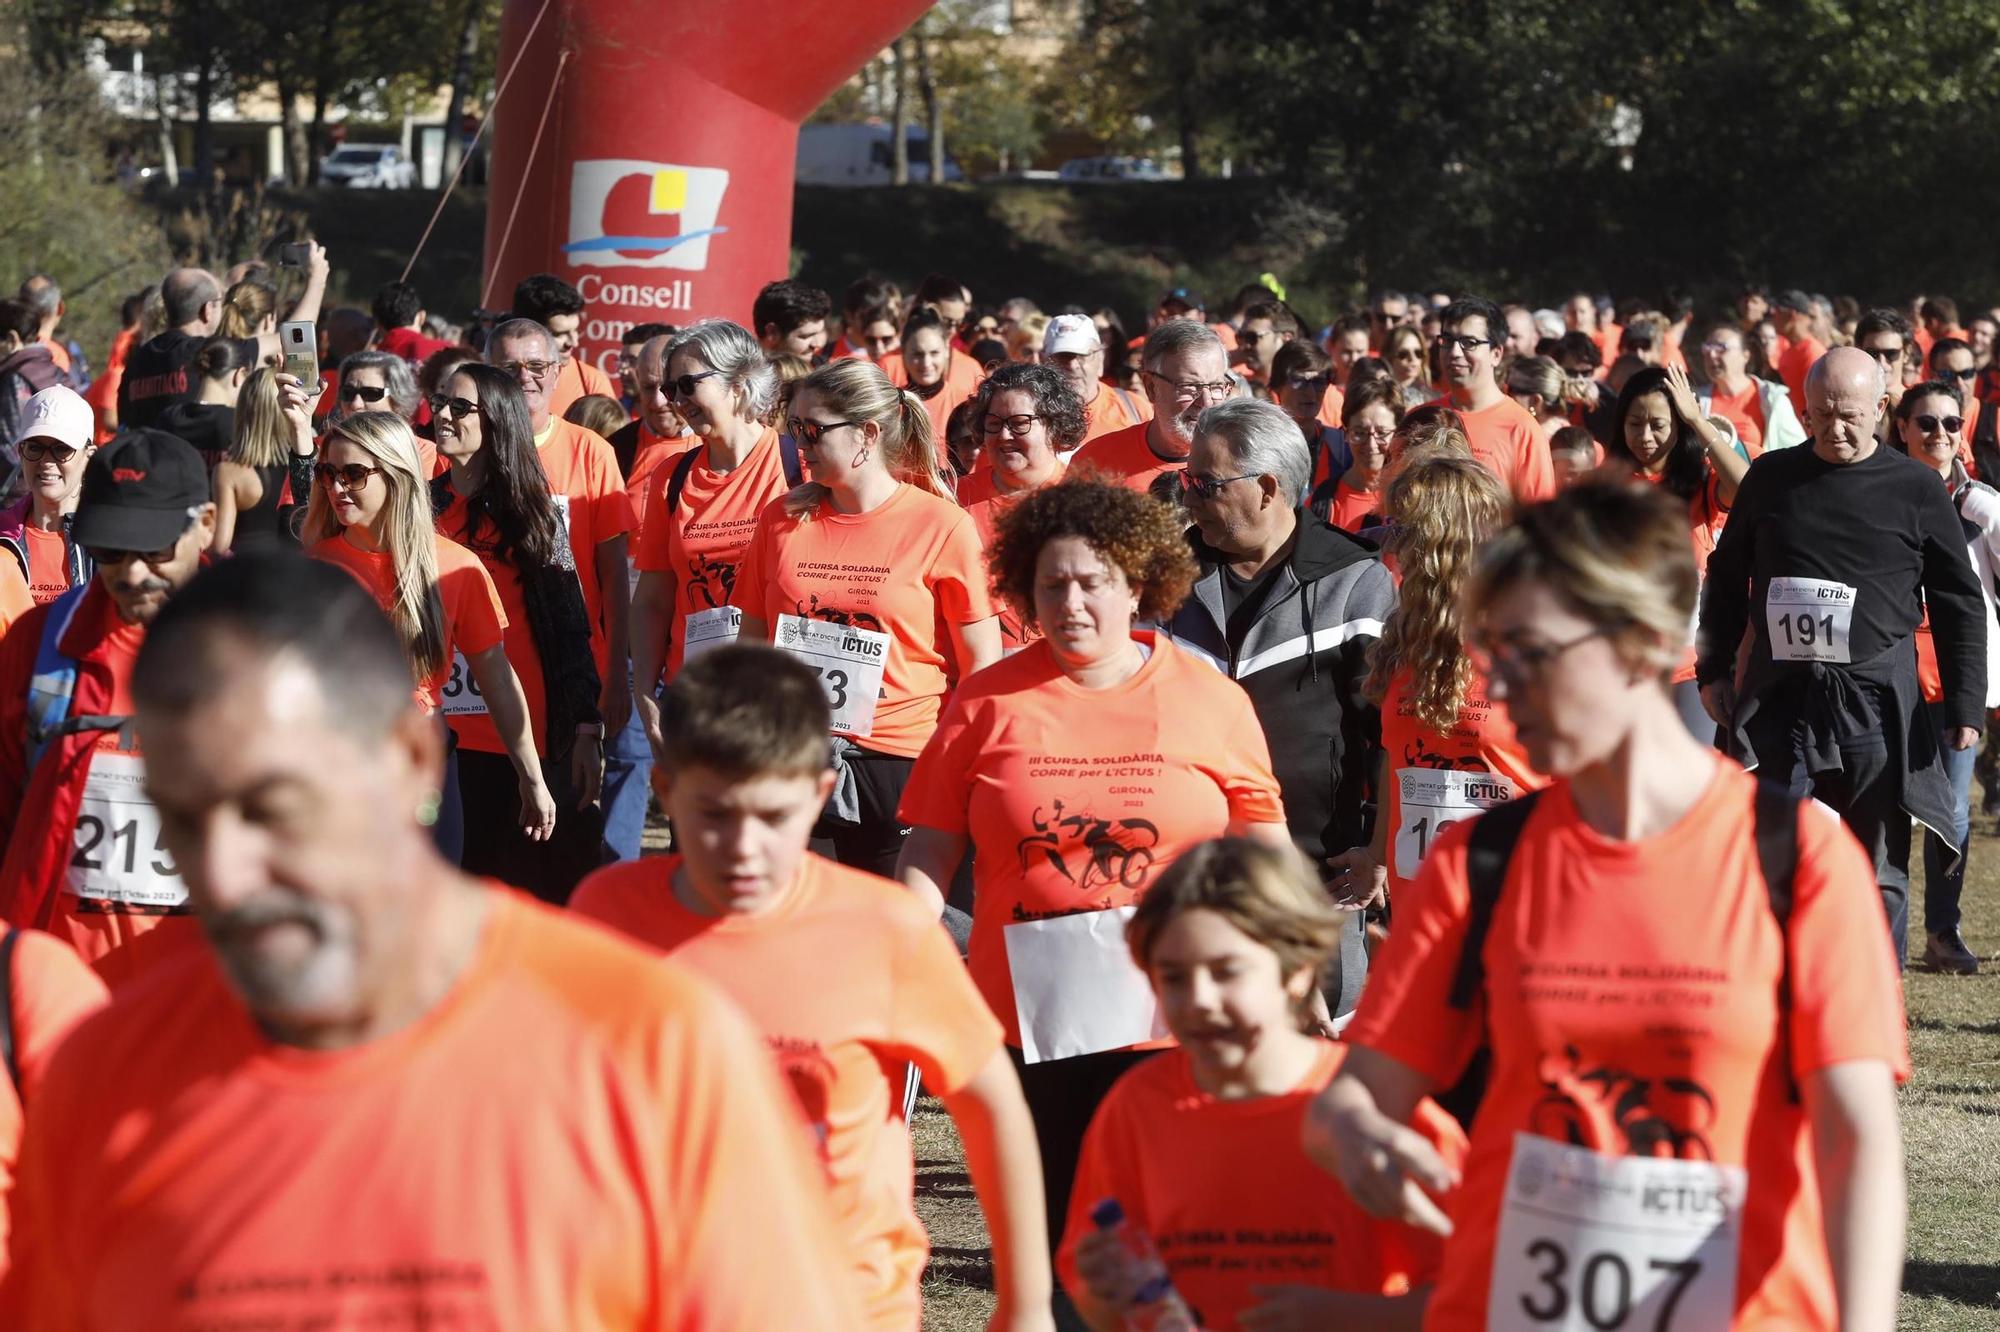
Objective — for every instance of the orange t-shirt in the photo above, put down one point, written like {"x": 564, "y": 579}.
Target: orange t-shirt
{"x": 961, "y": 380}
{"x": 865, "y": 983}
{"x": 1745, "y": 411}
{"x": 576, "y": 1136}
{"x": 984, "y": 503}
{"x": 1124, "y": 458}
{"x": 48, "y": 563}
{"x": 1074, "y": 798}
{"x": 474, "y": 619}
{"x": 1112, "y": 410}
{"x": 467, "y": 714}
{"x": 1352, "y": 508}
{"x": 584, "y": 479}
{"x": 1449, "y": 775}
{"x": 1707, "y": 516}
{"x": 907, "y": 568}
{"x": 701, "y": 543}
{"x": 653, "y": 452}
{"x": 1229, "y": 1197}
{"x": 15, "y": 598}
{"x": 1631, "y": 1004}
{"x": 50, "y": 990}
{"x": 1330, "y": 406}
{"x": 1512, "y": 446}
{"x": 575, "y": 380}
{"x": 1798, "y": 358}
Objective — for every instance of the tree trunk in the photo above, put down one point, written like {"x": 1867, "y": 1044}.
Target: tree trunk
{"x": 204, "y": 135}
{"x": 1184, "y": 118}
{"x": 461, "y": 75}
{"x": 933, "y": 108}
{"x": 297, "y": 161}
{"x": 899, "y": 143}
{"x": 322, "y": 94}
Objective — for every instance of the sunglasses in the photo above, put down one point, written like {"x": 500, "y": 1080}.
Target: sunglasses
{"x": 365, "y": 392}
{"x": 441, "y": 405}
{"x": 1308, "y": 383}
{"x": 37, "y": 449}
{"x": 1929, "y": 424}
{"x": 536, "y": 369}
{"x": 1208, "y": 487}
{"x": 115, "y": 559}
{"x": 1885, "y": 353}
{"x": 350, "y": 476}
{"x": 683, "y": 387}
{"x": 808, "y": 433}
{"x": 1966, "y": 375}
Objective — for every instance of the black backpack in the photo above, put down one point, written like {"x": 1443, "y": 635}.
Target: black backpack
{"x": 1775, "y": 824}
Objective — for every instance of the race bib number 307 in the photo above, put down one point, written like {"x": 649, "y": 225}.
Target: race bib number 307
{"x": 118, "y": 861}
{"x": 1588, "y": 1241}
{"x": 1809, "y": 619}
{"x": 849, "y": 663}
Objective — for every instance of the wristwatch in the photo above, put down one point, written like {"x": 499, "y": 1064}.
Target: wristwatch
{"x": 591, "y": 728}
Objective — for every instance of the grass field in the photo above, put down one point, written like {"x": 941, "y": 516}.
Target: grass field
{"x": 1951, "y": 1136}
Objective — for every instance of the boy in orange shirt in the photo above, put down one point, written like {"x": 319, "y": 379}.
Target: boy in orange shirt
{"x": 849, "y": 977}
{"x": 1202, "y": 1145}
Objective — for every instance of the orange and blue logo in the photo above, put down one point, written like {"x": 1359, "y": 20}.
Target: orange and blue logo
{"x": 630, "y": 214}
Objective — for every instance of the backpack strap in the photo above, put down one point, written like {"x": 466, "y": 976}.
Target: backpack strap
{"x": 788, "y": 458}
{"x": 1775, "y": 826}
{"x": 678, "y": 481}
{"x": 7, "y": 1045}
{"x": 1487, "y": 855}
{"x": 52, "y": 687}
{"x": 1131, "y": 408}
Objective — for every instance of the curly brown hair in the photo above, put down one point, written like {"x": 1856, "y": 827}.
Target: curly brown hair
{"x": 1055, "y": 401}
{"x": 1143, "y": 537}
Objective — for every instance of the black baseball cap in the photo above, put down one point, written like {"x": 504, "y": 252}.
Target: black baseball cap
{"x": 1793, "y": 299}
{"x": 137, "y": 491}
{"x": 1183, "y": 296}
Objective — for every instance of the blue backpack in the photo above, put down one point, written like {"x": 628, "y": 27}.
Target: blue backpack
{"x": 52, "y": 688}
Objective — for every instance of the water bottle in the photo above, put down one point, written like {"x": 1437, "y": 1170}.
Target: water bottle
{"x": 1155, "y": 1305}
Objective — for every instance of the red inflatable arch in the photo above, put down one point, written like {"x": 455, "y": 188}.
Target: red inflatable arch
{"x": 644, "y": 148}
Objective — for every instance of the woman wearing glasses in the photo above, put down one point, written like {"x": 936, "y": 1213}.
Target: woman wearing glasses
{"x": 35, "y": 529}
{"x": 874, "y": 577}
{"x": 1029, "y": 417}
{"x": 273, "y": 434}
{"x": 1404, "y": 352}
{"x": 1694, "y": 1028}
{"x": 370, "y": 514}
{"x": 379, "y": 381}
{"x": 496, "y": 502}
{"x": 1370, "y": 415}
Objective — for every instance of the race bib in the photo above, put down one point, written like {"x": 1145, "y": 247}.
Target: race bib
{"x": 118, "y": 862}
{"x": 1076, "y": 990}
{"x": 1809, "y": 619}
{"x": 461, "y": 692}
{"x": 1600, "y": 1242}
{"x": 1431, "y": 800}
{"x": 704, "y": 631}
{"x": 849, "y": 663}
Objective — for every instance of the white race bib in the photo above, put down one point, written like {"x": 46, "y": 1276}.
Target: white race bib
{"x": 849, "y": 662}
{"x": 1809, "y": 619}
{"x": 461, "y": 692}
{"x": 1076, "y": 990}
{"x": 704, "y": 631}
{"x": 118, "y": 862}
{"x": 1431, "y": 800}
{"x": 1600, "y": 1242}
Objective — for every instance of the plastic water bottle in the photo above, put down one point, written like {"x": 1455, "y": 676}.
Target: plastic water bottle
{"x": 1155, "y": 1305}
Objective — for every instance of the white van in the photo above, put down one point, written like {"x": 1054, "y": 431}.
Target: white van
{"x": 860, "y": 155}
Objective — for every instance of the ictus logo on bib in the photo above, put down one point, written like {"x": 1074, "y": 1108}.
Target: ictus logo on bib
{"x": 631, "y": 214}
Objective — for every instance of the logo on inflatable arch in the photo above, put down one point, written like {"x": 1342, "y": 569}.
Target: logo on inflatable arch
{"x": 627, "y": 214}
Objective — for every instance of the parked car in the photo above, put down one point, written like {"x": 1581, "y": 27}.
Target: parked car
{"x": 1111, "y": 170}
{"x": 860, "y": 155}
{"x": 368, "y": 166}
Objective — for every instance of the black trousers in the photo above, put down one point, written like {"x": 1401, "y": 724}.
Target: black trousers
{"x": 496, "y": 847}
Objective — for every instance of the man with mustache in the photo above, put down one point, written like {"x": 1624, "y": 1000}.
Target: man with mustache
{"x": 1186, "y": 370}
{"x": 86, "y": 858}
{"x": 391, "y": 1094}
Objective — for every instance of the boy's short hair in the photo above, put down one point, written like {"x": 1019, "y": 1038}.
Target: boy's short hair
{"x": 1572, "y": 439}
{"x": 1268, "y": 892}
{"x": 746, "y": 711}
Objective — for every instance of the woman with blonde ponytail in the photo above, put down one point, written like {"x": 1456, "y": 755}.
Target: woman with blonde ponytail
{"x": 370, "y": 513}
{"x": 870, "y": 573}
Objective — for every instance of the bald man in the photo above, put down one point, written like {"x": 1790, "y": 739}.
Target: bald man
{"x": 1830, "y": 557}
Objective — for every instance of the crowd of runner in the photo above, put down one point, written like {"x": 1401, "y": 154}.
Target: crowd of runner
{"x": 1404, "y": 822}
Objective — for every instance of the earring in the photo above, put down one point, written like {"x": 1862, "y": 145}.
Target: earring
{"x": 428, "y": 809}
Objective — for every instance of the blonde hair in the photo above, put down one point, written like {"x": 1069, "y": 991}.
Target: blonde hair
{"x": 263, "y": 436}
{"x": 1268, "y": 892}
{"x": 856, "y": 390}
{"x": 597, "y": 413}
{"x": 407, "y": 534}
{"x": 1442, "y": 509}
{"x": 1028, "y": 333}
{"x": 246, "y": 307}
{"x": 1616, "y": 551}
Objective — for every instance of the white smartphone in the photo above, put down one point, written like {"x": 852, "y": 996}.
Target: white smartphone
{"x": 300, "y": 343}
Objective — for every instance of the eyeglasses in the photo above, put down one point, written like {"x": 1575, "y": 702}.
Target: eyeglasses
{"x": 1308, "y": 383}
{"x": 37, "y": 449}
{"x": 1372, "y": 432}
{"x": 1928, "y": 423}
{"x": 1724, "y": 348}
{"x": 1208, "y": 487}
{"x": 808, "y": 433}
{"x": 460, "y": 408}
{"x": 1964, "y": 376}
{"x": 1017, "y": 426}
{"x": 365, "y": 392}
{"x": 1885, "y": 354}
{"x": 115, "y": 559}
{"x": 349, "y": 476}
{"x": 1190, "y": 391}
{"x": 1462, "y": 341}
{"x": 683, "y": 387}
{"x": 536, "y": 369}
{"x": 1522, "y": 661}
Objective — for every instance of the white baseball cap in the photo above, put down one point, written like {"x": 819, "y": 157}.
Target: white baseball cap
{"x": 58, "y": 413}
{"x": 1071, "y": 334}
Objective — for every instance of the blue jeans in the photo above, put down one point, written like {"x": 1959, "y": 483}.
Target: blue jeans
{"x": 1941, "y": 889}
{"x": 628, "y": 772}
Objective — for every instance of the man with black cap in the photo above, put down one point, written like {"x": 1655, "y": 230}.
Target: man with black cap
{"x": 1793, "y": 314}
{"x": 84, "y": 854}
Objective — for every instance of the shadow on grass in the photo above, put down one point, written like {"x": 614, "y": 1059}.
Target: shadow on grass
{"x": 1927, "y": 1023}
{"x": 1975, "y": 1285}
{"x": 966, "y": 1266}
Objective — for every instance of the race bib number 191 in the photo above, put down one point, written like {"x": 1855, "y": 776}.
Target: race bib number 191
{"x": 1810, "y": 619}
{"x": 849, "y": 663}
{"x": 1588, "y": 1241}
